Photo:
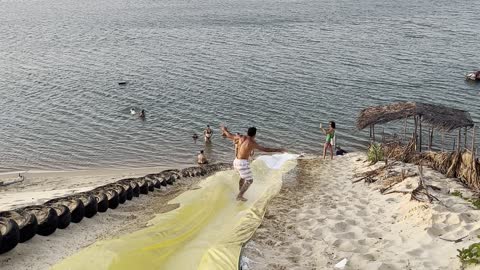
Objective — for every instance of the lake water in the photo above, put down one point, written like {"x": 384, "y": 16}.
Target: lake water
{"x": 283, "y": 66}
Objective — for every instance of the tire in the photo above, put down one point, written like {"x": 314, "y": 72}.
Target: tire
{"x": 90, "y": 204}
{"x": 27, "y": 223}
{"x": 47, "y": 218}
{"x": 64, "y": 215}
{"x": 163, "y": 181}
{"x": 122, "y": 194}
{"x": 156, "y": 183}
{"x": 151, "y": 186}
{"x": 9, "y": 234}
{"x": 113, "y": 200}
{"x": 171, "y": 180}
{"x": 102, "y": 201}
{"x": 77, "y": 209}
{"x": 128, "y": 190}
{"x": 143, "y": 186}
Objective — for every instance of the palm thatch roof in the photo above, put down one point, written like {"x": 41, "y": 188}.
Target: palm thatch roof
{"x": 440, "y": 117}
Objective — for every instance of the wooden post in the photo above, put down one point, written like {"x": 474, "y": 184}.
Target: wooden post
{"x": 420, "y": 139}
{"x": 405, "y": 130}
{"x": 373, "y": 133}
{"x": 443, "y": 140}
{"x": 383, "y": 135}
{"x": 465, "y": 138}
{"x": 370, "y": 135}
{"x": 454, "y": 140}
{"x": 430, "y": 138}
{"x": 415, "y": 132}
{"x": 473, "y": 147}
{"x": 459, "y": 139}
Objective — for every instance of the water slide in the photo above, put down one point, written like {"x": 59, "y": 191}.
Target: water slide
{"x": 206, "y": 232}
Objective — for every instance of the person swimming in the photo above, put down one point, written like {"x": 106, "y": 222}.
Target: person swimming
{"x": 208, "y": 134}
{"x": 195, "y": 136}
{"x": 142, "y": 114}
{"x": 132, "y": 111}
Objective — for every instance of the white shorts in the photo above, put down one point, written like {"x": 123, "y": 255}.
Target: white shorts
{"x": 242, "y": 166}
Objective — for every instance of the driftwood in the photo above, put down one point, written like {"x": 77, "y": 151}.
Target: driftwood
{"x": 421, "y": 193}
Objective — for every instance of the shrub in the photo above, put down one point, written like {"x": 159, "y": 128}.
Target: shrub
{"x": 375, "y": 153}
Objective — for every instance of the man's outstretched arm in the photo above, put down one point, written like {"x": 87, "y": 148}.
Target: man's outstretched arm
{"x": 227, "y": 133}
{"x": 269, "y": 150}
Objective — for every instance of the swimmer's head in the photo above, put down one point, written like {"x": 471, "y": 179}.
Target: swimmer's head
{"x": 332, "y": 124}
{"x": 201, "y": 151}
{"x": 252, "y": 132}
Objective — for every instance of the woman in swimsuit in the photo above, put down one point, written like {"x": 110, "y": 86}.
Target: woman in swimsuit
{"x": 208, "y": 133}
{"x": 330, "y": 132}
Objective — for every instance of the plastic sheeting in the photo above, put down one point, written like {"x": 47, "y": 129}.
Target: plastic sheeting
{"x": 206, "y": 232}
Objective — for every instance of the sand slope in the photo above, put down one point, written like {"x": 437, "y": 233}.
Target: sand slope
{"x": 321, "y": 217}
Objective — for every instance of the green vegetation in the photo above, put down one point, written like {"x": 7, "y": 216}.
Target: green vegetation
{"x": 470, "y": 255}
{"x": 474, "y": 201}
{"x": 375, "y": 153}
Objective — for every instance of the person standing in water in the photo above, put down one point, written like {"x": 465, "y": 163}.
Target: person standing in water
{"x": 245, "y": 146}
{"x": 330, "y": 133}
{"x": 208, "y": 133}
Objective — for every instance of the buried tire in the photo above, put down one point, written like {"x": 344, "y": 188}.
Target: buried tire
{"x": 47, "y": 218}
{"x": 151, "y": 185}
{"x": 90, "y": 204}
{"x": 76, "y": 207}
{"x": 128, "y": 190}
{"x": 113, "y": 200}
{"x": 142, "y": 184}
{"x": 102, "y": 201}
{"x": 156, "y": 183}
{"x": 27, "y": 223}
{"x": 64, "y": 215}
{"x": 9, "y": 234}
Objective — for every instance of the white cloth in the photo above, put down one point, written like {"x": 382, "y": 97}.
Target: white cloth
{"x": 276, "y": 161}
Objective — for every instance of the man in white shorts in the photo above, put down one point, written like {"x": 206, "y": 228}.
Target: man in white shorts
{"x": 245, "y": 146}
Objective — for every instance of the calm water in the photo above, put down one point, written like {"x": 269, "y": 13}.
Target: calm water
{"x": 282, "y": 66}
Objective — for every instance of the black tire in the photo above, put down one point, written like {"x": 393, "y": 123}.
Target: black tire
{"x": 64, "y": 215}
{"x": 163, "y": 181}
{"x": 27, "y": 223}
{"x": 122, "y": 194}
{"x": 156, "y": 183}
{"x": 90, "y": 204}
{"x": 170, "y": 180}
{"x": 127, "y": 190}
{"x": 143, "y": 186}
{"x": 9, "y": 234}
{"x": 102, "y": 201}
{"x": 113, "y": 200}
{"x": 47, "y": 218}
{"x": 77, "y": 209}
{"x": 151, "y": 185}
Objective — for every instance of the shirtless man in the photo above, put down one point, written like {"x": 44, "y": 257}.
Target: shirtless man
{"x": 246, "y": 144}
{"x": 208, "y": 133}
{"x": 201, "y": 158}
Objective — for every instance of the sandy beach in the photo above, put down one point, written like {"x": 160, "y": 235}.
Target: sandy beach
{"x": 42, "y": 252}
{"x": 321, "y": 217}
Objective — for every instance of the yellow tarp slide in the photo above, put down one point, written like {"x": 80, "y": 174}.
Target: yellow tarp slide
{"x": 205, "y": 232}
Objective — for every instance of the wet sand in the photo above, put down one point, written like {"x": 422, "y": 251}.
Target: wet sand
{"x": 321, "y": 217}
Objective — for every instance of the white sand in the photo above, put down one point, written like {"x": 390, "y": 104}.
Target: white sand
{"x": 322, "y": 217}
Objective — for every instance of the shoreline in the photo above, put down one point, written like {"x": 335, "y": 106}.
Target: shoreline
{"x": 42, "y": 186}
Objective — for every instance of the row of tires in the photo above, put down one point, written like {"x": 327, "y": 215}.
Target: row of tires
{"x": 22, "y": 224}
